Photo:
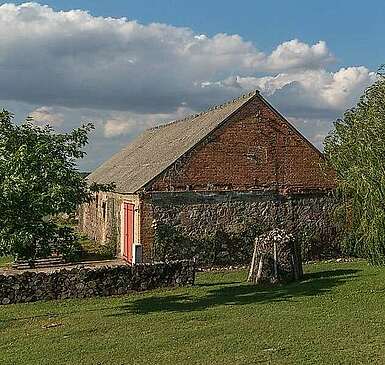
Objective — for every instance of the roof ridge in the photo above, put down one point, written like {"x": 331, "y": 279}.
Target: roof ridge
{"x": 210, "y": 109}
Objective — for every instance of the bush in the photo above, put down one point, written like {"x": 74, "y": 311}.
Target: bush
{"x": 42, "y": 239}
{"x": 92, "y": 250}
{"x": 67, "y": 244}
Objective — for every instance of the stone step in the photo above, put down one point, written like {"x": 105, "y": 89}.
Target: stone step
{"x": 47, "y": 262}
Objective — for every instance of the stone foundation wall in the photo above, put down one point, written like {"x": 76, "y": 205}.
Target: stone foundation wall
{"x": 198, "y": 215}
{"x": 201, "y": 215}
{"x": 84, "y": 282}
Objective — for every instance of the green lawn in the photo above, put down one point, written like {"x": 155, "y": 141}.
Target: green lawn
{"x": 336, "y": 315}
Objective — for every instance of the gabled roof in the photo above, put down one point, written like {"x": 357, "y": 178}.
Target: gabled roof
{"x": 158, "y": 148}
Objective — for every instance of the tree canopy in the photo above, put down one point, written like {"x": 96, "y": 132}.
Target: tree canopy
{"x": 38, "y": 180}
{"x": 356, "y": 150}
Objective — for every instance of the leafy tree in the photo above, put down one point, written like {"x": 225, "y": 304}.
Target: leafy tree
{"x": 38, "y": 180}
{"x": 356, "y": 150}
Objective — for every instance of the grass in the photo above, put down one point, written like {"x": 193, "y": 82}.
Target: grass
{"x": 5, "y": 261}
{"x": 335, "y": 315}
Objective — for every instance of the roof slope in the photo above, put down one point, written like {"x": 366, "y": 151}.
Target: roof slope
{"x": 157, "y": 148}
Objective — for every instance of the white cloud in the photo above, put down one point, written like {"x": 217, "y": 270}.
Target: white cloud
{"x": 116, "y": 127}
{"x": 347, "y": 85}
{"x": 306, "y": 90}
{"x": 47, "y": 115}
{"x": 74, "y": 59}
{"x": 315, "y": 129}
{"x": 295, "y": 54}
{"x": 127, "y": 76}
{"x": 126, "y": 123}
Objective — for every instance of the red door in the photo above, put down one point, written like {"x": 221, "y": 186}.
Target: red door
{"x": 128, "y": 231}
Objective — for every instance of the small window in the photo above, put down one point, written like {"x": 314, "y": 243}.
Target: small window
{"x": 104, "y": 210}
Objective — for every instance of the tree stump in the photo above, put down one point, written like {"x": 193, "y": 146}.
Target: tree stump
{"x": 276, "y": 258}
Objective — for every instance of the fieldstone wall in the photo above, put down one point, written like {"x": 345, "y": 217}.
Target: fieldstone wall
{"x": 200, "y": 214}
{"x": 211, "y": 225}
{"x": 84, "y": 282}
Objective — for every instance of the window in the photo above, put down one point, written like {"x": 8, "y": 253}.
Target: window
{"x": 104, "y": 210}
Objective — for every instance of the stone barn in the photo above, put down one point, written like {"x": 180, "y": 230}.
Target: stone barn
{"x": 197, "y": 186}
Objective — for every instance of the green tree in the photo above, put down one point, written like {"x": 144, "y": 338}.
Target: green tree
{"x": 356, "y": 150}
{"x": 38, "y": 180}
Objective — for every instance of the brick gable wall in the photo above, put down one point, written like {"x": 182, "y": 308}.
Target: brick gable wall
{"x": 254, "y": 149}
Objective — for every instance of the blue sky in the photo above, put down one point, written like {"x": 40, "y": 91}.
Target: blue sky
{"x": 63, "y": 66}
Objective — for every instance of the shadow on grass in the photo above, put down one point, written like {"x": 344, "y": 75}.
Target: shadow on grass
{"x": 239, "y": 293}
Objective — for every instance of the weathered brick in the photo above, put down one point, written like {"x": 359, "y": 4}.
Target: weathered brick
{"x": 225, "y": 159}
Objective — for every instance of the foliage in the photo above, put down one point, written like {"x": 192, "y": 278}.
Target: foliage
{"x": 68, "y": 220}
{"x": 318, "y": 243}
{"x": 217, "y": 248}
{"x": 356, "y": 150}
{"x": 38, "y": 180}
{"x": 92, "y": 250}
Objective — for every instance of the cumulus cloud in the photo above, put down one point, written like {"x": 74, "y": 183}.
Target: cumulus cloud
{"x": 322, "y": 93}
{"x": 295, "y": 54}
{"x": 67, "y": 66}
{"x": 116, "y": 127}
{"x": 306, "y": 91}
{"x": 76, "y": 59}
{"x": 47, "y": 115}
{"x": 126, "y": 123}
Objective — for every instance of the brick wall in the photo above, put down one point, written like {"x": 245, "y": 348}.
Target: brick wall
{"x": 256, "y": 148}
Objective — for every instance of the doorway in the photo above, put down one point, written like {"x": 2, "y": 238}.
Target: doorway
{"x": 128, "y": 230}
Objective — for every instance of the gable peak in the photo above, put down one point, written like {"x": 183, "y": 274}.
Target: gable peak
{"x": 210, "y": 109}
